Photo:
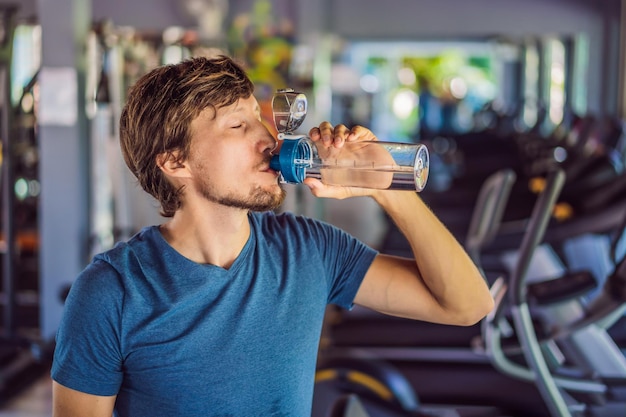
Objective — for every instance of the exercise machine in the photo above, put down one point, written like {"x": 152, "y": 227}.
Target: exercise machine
{"x": 540, "y": 333}
{"x": 566, "y": 349}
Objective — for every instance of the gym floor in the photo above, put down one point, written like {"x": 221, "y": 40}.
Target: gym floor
{"x": 34, "y": 401}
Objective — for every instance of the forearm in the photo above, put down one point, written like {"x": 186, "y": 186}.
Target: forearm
{"x": 451, "y": 276}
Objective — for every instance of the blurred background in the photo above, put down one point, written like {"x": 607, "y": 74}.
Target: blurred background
{"x": 486, "y": 85}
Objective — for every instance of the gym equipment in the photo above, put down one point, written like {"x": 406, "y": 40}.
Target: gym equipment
{"x": 348, "y": 405}
{"x": 556, "y": 342}
{"x": 588, "y": 148}
{"x": 567, "y": 351}
{"x": 487, "y": 215}
{"x": 374, "y": 381}
{"x": 375, "y": 388}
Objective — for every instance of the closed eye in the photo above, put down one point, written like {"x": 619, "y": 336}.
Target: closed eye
{"x": 237, "y": 126}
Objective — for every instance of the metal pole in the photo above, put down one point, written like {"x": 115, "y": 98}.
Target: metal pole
{"x": 8, "y": 196}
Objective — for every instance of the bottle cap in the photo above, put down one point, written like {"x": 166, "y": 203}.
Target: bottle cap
{"x": 292, "y": 160}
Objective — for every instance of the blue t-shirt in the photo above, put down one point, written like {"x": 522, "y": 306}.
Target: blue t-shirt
{"x": 172, "y": 337}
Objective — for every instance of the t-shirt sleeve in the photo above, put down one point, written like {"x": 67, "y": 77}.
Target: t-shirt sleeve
{"x": 346, "y": 260}
{"x": 87, "y": 354}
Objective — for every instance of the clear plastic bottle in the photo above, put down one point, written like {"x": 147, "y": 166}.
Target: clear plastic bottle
{"x": 365, "y": 164}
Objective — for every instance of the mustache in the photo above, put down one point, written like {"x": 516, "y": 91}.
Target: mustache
{"x": 265, "y": 162}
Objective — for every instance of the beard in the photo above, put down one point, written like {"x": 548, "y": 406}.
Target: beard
{"x": 258, "y": 199}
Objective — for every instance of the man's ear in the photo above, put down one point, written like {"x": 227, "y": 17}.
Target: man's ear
{"x": 171, "y": 164}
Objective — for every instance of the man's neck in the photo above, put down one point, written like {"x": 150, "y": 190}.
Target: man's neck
{"x": 215, "y": 236}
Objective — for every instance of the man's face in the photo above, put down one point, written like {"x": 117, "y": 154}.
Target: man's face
{"x": 230, "y": 156}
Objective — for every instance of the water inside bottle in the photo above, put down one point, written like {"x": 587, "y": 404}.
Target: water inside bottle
{"x": 362, "y": 174}
{"x": 398, "y": 178}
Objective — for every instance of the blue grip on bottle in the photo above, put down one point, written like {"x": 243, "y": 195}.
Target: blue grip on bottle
{"x": 290, "y": 160}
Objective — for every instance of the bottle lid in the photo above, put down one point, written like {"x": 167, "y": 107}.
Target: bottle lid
{"x": 292, "y": 160}
{"x": 289, "y": 109}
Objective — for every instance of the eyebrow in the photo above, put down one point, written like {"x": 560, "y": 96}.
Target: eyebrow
{"x": 239, "y": 108}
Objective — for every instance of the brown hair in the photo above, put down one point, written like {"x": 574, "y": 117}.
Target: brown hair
{"x": 159, "y": 110}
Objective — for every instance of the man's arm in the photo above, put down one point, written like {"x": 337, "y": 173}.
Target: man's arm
{"x": 441, "y": 284}
{"x": 67, "y": 402}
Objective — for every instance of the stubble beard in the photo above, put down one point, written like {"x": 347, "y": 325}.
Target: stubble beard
{"x": 258, "y": 199}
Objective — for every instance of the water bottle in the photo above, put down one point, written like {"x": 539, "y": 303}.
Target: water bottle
{"x": 365, "y": 164}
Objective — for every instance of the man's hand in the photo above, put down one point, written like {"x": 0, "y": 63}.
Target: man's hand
{"x": 350, "y": 163}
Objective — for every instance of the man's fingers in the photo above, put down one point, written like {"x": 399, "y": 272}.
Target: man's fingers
{"x": 360, "y": 133}
{"x": 337, "y": 135}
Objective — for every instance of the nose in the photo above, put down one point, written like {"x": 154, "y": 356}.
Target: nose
{"x": 275, "y": 146}
{"x": 268, "y": 143}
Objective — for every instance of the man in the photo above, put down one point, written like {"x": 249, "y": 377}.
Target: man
{"x": 218, "y": 311}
